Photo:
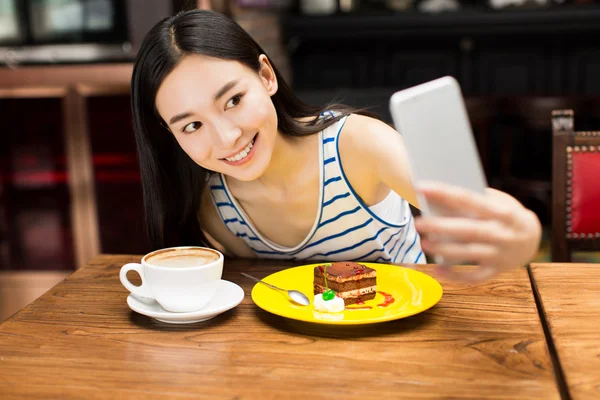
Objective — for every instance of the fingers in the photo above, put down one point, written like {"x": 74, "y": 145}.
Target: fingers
{"x": 492, "y": 230}
{"x": 461, "y": 201}
{"x": 456, "y": 253}
{"x": 461, "y": 229}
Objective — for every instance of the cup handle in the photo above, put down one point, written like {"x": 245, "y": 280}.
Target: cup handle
{"x": 141, "y": 290}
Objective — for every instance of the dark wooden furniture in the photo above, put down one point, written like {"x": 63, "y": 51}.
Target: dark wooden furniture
{"x": 575, "y": 188}
{"x": 67, "y": 102}
{"x": 526, "y": 58}
{"x": 569, "y": 298}
{"x": 80, "y": 340}
{"x": 548, "y": 51}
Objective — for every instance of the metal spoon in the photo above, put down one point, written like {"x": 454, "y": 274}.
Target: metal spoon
{"x": 294, "y": 295}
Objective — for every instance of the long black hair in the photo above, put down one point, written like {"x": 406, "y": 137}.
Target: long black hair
{"x": 172, "y": 182}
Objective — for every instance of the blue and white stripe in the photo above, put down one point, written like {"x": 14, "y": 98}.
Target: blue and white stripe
{"x": 345, "y": 228}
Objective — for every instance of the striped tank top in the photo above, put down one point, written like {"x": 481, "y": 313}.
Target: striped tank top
{"x": 345, "y": 227}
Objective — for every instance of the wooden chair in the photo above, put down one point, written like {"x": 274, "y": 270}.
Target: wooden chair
{"x": 575, "y": 188}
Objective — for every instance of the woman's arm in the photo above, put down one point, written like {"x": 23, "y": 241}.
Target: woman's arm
{"x": 492, "y": 230}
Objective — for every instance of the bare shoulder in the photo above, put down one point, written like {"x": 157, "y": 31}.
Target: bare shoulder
{"x": 362, "y": 122}
{"x": 366, "y": 136}
{"x": 217, "y": 233}
{"x": 360, "y": 145}
{"x": 378, "y": 157}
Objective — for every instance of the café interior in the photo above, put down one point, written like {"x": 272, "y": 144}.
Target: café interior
{"x": 71, "y": 198}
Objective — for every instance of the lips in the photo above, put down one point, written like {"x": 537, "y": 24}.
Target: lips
{"x": 243, "y": 155}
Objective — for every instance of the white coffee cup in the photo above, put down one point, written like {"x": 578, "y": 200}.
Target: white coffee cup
{"x": 180, "y": 279}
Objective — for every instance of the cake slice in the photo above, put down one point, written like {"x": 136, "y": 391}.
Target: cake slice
{"x": 353, "y": 282}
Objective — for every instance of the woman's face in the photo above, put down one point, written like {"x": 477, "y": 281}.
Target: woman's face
{"x": 221, "y": 114}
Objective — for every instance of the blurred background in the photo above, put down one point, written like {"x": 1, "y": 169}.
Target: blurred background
{"x": 69, "y": 180}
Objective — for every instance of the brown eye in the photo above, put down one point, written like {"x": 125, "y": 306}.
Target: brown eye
{"x": 234, "y": 101}
{"x": 193, "y": 127}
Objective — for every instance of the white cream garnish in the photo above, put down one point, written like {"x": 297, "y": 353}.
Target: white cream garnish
{"x": 242, "y": 154}
{"x": 334, "y": 305}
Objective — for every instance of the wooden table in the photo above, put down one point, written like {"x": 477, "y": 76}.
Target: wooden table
{"x": 570, "y": 302}
{"x": 80, "y": 340}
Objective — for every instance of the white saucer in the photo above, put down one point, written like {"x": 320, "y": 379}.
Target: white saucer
{"x": 228, "y": 296}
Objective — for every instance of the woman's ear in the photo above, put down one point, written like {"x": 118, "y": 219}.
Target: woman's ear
{"x": 267, "y": 75}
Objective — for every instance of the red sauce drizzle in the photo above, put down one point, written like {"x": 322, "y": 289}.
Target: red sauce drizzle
{"x": 388, "y": 299}
{"x": 358, "y": 270}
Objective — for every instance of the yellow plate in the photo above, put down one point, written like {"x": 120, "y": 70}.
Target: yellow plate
{"x": 413, "y": 292}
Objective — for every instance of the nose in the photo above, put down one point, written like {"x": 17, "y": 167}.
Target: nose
{"x": 226, "y": 134}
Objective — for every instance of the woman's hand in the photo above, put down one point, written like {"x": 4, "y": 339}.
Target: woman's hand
{"x": 491, "y": 230}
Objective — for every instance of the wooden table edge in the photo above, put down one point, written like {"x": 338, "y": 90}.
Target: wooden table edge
{"x": 559, "y": 374}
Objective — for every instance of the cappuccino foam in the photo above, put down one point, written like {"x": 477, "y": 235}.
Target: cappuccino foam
{"x": 183, "y": 258}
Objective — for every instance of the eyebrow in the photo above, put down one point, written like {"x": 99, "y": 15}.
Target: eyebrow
{"x": 226, "y": 88}
{"x": 179, "y": 117}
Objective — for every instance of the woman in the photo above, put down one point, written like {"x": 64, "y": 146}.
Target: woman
{"x": 230, "y": 156}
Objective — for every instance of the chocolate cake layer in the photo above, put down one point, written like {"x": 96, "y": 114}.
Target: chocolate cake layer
{"x": 351, "y": 281}
{"x": 352, "y": 296}
{"x": 353, "y": 300}
{"x": 348, "y": 269}
{"x": 348, "y": 285}
{"x": 355, "y": 273}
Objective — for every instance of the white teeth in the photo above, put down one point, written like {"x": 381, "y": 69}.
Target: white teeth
{"x": 242, "y": 154}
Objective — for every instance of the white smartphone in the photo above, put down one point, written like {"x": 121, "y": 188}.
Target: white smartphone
{"x": 434, "y": 124}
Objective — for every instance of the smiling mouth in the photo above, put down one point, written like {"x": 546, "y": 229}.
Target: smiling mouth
{"x": 242, "y": 154}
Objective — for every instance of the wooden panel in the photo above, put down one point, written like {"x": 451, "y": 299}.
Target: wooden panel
{"x": 570, "y": 299}
{"x": 512, "y": 70}
{"x": 35, "y": 220}
{"x": 583, "y": 63}
{"x": 66, "y": 75}
{"x": 327, "y": 64}
{"x": 117, "y": 185}
{"x": 80, "y": 340}
{"x": 81, "y": 180}
{"x": 407, "y": 67}
{"x": 72, "y": 83}
{"x": 32, "y": 92}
